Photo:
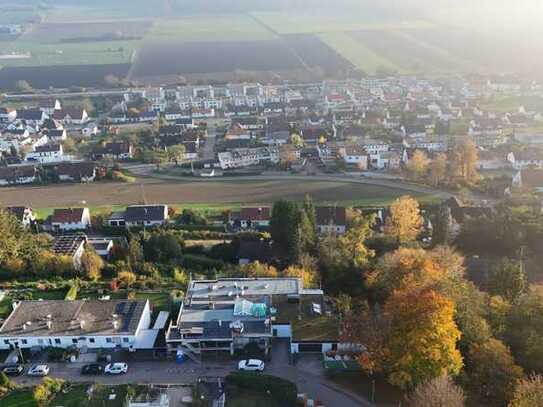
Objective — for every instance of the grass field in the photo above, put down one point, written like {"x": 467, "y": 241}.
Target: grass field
{"x": 299, "y": 23}
{"x": 197, "y": 193}
{"x": 358, "y": 53}
{"x": 19, "y": 398}
{"x": 208, "y": 28}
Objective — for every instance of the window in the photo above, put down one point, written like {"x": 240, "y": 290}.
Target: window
{"x": 91, "y": 340}
{"x": 108, "y": 340}
{"x": 125, "y": 340}
{"x": 40, "y": 341}
{"x": 74, "y": 340}
{"x": 6, "y": 341}
{"x": 57, "y": 341}
{"x": 24, "y": 341}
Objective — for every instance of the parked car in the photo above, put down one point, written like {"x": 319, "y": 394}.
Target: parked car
{"x": 92, "y": 369}
{"x": 116, "y": 368}
{"x": 251, "y": 365}
{"x": 38, "y": 370}
{"x": 13, "y": 370}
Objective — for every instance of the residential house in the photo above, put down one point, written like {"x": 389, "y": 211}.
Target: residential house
{"x": 90, "y": 129}
{"x": 140, "y": 216}
{"x": 49, "y": 106}
{"x": 525, "y": 159}
{"x": 119, "y": 151}
{"x": 48, "y": 153}
{"x": 32, "y": 117}
{"x": 18, "y": 175}
{"x": 245, "y": 157}
{"x": 331, "y": 219}
{"x": 73, "y": 116}
{"x": 101, "y": 245}
{"x": 355, "y": 155}
{"x": 254, "y": 217}
{"x": 56, "y": 135}
{"x": 226, "y": 315}
{"x": 72, "y": 246}
{"x": 63, "y": 220}
{"x": 76, "y": 171}
{"x": 7, "y": 115}
{"x": 83, "y": 324}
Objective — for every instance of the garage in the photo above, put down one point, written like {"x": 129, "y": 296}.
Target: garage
{"x": 310, "y": 347}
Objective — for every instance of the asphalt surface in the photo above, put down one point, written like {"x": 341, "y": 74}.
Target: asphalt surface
{"x": 308, "y": 374}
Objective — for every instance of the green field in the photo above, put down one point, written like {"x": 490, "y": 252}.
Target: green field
{"x": 299, "y": 23}
{"x": 357, "y": 53}
{"x": 208, "y": 28}
{"x": 19, "y": 398}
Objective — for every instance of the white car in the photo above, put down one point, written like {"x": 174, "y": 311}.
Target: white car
{"x": 251, "y": 365}
{"x": 38, "y": 370}
{"x": 116, "y": 368}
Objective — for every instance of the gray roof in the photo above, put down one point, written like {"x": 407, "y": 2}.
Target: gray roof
{"x": 145, "y": 213}
{"x": 250, "y": 286}
{"x": 74, "y": 318}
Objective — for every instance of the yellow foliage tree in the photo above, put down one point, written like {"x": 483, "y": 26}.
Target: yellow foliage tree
{"x": 422, "y": 343}
{"x": 438, "y": 169}
{"x": 405, "y": 222}
{"x": 418, "y": 164}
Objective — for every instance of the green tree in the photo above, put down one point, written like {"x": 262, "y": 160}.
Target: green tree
{"x": 284, "y": 224}
{"x": 441, "y": 226}
{"x": 176, "y": 153}
{"x": 524, "y": 329}
{"x": 508, "y": 280}
{"x": 135, "y": 252}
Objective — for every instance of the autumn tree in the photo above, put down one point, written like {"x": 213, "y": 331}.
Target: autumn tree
{"x": 296, "y": 140}
{"x": 176, "y": 153}
{"x": 423, "y": 337}
{"x": 528, "y": 392}
{"x": 438, "y": 169}
{"x": 441, "y": 230}
{"x": 493, "y": 372}
{"x": 418, "y": 165}
{"x": 126, "y": 278}
{"x": 438, "y": 392}
{"x": 135, "y": 252}
{"x": 257, "y": 269}
{"x": 465, "y": 157}
{"x": 92, "y": 265}
{"x": 405, "y": 221}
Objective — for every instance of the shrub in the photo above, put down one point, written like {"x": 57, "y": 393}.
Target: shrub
{"x": 201, "y": 263}
{"x": 71, "y": 295}
{"x": 282, "y": 391}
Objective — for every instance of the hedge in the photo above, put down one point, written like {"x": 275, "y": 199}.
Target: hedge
{"x": 282, "y": 391}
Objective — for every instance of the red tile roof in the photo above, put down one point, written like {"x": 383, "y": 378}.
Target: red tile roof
{"x": 70, "y": 215}
{"x": 252, "y": 214}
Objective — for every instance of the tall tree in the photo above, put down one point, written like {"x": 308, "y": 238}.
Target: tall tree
{"x": 524, "y": 329}
{"x": 418, "y": 165}
{"x": 422, "y": 343}
{"x": 176, "y": 153}
{"x": 405, "y": 221}
{"x": 284, "y": 225}
{"x": 438, "y": 169}
{"x": 92, "y": 264}
{"x": 441, "y": 233}
{"x": 438, "y": 392}
{"x": 508, "y": 280}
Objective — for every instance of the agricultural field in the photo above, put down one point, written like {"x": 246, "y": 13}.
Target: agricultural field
{"x": 199, "y": 193}
{"x": 208, "y": 28}
{"x": 210, "y": 57}
{"x": 303, "y": 23}
{"x": 358, "y": 54}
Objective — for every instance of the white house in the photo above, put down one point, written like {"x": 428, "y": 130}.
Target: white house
{"x": 140, "y": 216}
{"x": 245, "y": 157}
{"x": 331, "y": 219}
{"x": 91, "y": 324}
{"x": 354, "y": 155}
{"x": 47, "y": 153}
{"x": 70, "y": 219}
{"x": 254, "y": 217}
{"x": 7, "y": 115}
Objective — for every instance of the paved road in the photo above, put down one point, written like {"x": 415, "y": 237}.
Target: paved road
{"x": 307, "y": 374}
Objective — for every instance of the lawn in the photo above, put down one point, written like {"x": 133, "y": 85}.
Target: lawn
{"x": 208, "y": 28}
{"x": 48, "y": 294}
{"x": 358, "y": 53}
{"x": 251, "y": 399}
{"x": 5, "y": 306}
{"x": 75, "y": 397}
{"x": 19, "y": 398}
{"x": 87, "y": 53}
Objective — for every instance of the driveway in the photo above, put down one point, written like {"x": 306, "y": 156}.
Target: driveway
{"x": 307, "y": 374}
